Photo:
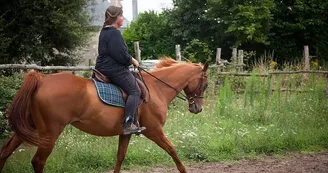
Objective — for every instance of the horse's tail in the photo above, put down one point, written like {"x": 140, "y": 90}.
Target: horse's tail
{"x": 19, "y": 112}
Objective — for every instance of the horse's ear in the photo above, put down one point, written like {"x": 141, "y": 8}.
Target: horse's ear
{"x": 205, "y": 66}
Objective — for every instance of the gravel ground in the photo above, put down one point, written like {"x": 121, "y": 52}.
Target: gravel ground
{"x": 292, "y": 163}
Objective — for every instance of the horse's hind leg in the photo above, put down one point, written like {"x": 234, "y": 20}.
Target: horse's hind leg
{"x": 121, "y": 152}
{"x": 46, "y": 144}
{"x": 161, "y": 140}
{"x": 8, "y": 148}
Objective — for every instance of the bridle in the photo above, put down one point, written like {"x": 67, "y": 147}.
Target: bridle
{"x": 184, "y": 97}
{"x": 199, "y": 90}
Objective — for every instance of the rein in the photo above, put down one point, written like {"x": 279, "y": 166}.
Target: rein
{"x": 178, "y": 92}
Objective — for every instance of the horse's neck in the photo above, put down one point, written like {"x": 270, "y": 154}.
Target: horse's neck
{"x": 176, "y": 77}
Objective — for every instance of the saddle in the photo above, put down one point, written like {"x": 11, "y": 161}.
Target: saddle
{"x": 102, "y": 78}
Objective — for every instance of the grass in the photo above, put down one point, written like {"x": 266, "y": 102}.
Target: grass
{"x": 232, "y": 126}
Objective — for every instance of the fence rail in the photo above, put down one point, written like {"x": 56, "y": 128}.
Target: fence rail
{"x": 36, "y": 67}
{"x": 272, "y": 73}
{"x": 86, "y": 68}
{"x": 149, "y": 66}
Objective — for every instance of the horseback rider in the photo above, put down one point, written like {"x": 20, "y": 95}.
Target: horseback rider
{"x": 114, "y": 60}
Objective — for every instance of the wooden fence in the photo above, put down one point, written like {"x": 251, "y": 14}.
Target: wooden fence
{"x": 147, "y": 64}
{"x": 237, "y": 62}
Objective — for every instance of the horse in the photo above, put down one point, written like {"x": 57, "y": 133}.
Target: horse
{"x": 45, "y": 104}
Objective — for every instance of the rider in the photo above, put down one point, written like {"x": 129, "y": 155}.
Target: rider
{"x": 114, "y": 60}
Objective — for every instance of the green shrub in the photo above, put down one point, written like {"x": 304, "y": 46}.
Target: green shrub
{"x": 87, "y": 74}
{"x": 3, "y": 126}
{"x": 8, "y": 88}
{"x": 197, "y": 51}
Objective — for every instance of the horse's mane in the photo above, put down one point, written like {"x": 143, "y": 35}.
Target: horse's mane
{"x": 166, "y": 62}
{"x": 170, "y": 62}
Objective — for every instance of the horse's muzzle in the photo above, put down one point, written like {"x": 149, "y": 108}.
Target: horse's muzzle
{"x": 195, "y": 108}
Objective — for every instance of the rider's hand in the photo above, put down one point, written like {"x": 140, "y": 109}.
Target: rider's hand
{"x": 135, "y": 62}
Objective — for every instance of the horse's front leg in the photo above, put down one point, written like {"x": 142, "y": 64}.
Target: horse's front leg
{"x": 161, "y": 140}
{"x": 121, "y": 152}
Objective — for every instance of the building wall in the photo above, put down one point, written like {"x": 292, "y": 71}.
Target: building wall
{"x": 134, "y": 9}
{"x": 96, "y": 10}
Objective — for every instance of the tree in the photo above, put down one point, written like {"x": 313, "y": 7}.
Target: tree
{"x": 189, "y": 20}
{"x": 246, "y": 20}
{"x": 279, "y": 26}
{"x": 268, "y": 25}
{"x": 221, "y": 23}
{"x": 153, "y": 33}
{"x": 298, "y": 23}
{"x": 42, "y": 31}
{"x": 197, "y": 51}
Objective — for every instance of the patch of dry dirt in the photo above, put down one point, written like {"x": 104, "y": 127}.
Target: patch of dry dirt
{"x": 293, "y": 163}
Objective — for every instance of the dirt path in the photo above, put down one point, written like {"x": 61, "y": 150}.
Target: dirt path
{"x": 311, "y": 163}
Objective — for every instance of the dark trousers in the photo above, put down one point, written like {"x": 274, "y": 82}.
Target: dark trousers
{"x": 128, "y": 83}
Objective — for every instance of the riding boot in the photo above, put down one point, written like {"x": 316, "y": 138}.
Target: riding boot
{"x": 130, "y": 127}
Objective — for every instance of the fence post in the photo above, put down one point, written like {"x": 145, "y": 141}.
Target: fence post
{"x": 327, "y": 86}
{"x": 137, "y": 51}
{"x": 306, "y": 55}
{"x": 269, "y": 88}
{"x": 306, "y": 58}
{"x": 219, "y": 66}
{"x": 234, "y": 57}
{"x": 178, "y": 52}
{"x": 218, "y": 59}
{"x": 240, "y": 60}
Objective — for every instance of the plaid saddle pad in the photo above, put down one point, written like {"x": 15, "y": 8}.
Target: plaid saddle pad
{"x": 109, "y": 93}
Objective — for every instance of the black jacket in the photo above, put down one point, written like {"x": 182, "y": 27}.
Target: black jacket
{"x": 113, "y": 57}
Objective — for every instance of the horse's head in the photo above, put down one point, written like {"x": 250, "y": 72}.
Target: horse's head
{"x": 195, "y": 90}
{"x": 191, "y": 77}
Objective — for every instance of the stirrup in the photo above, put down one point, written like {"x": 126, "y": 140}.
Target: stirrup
{"x": 131, "y": 128}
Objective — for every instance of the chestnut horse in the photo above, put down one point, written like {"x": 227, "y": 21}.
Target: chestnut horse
{"x": 45, "y": 104}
